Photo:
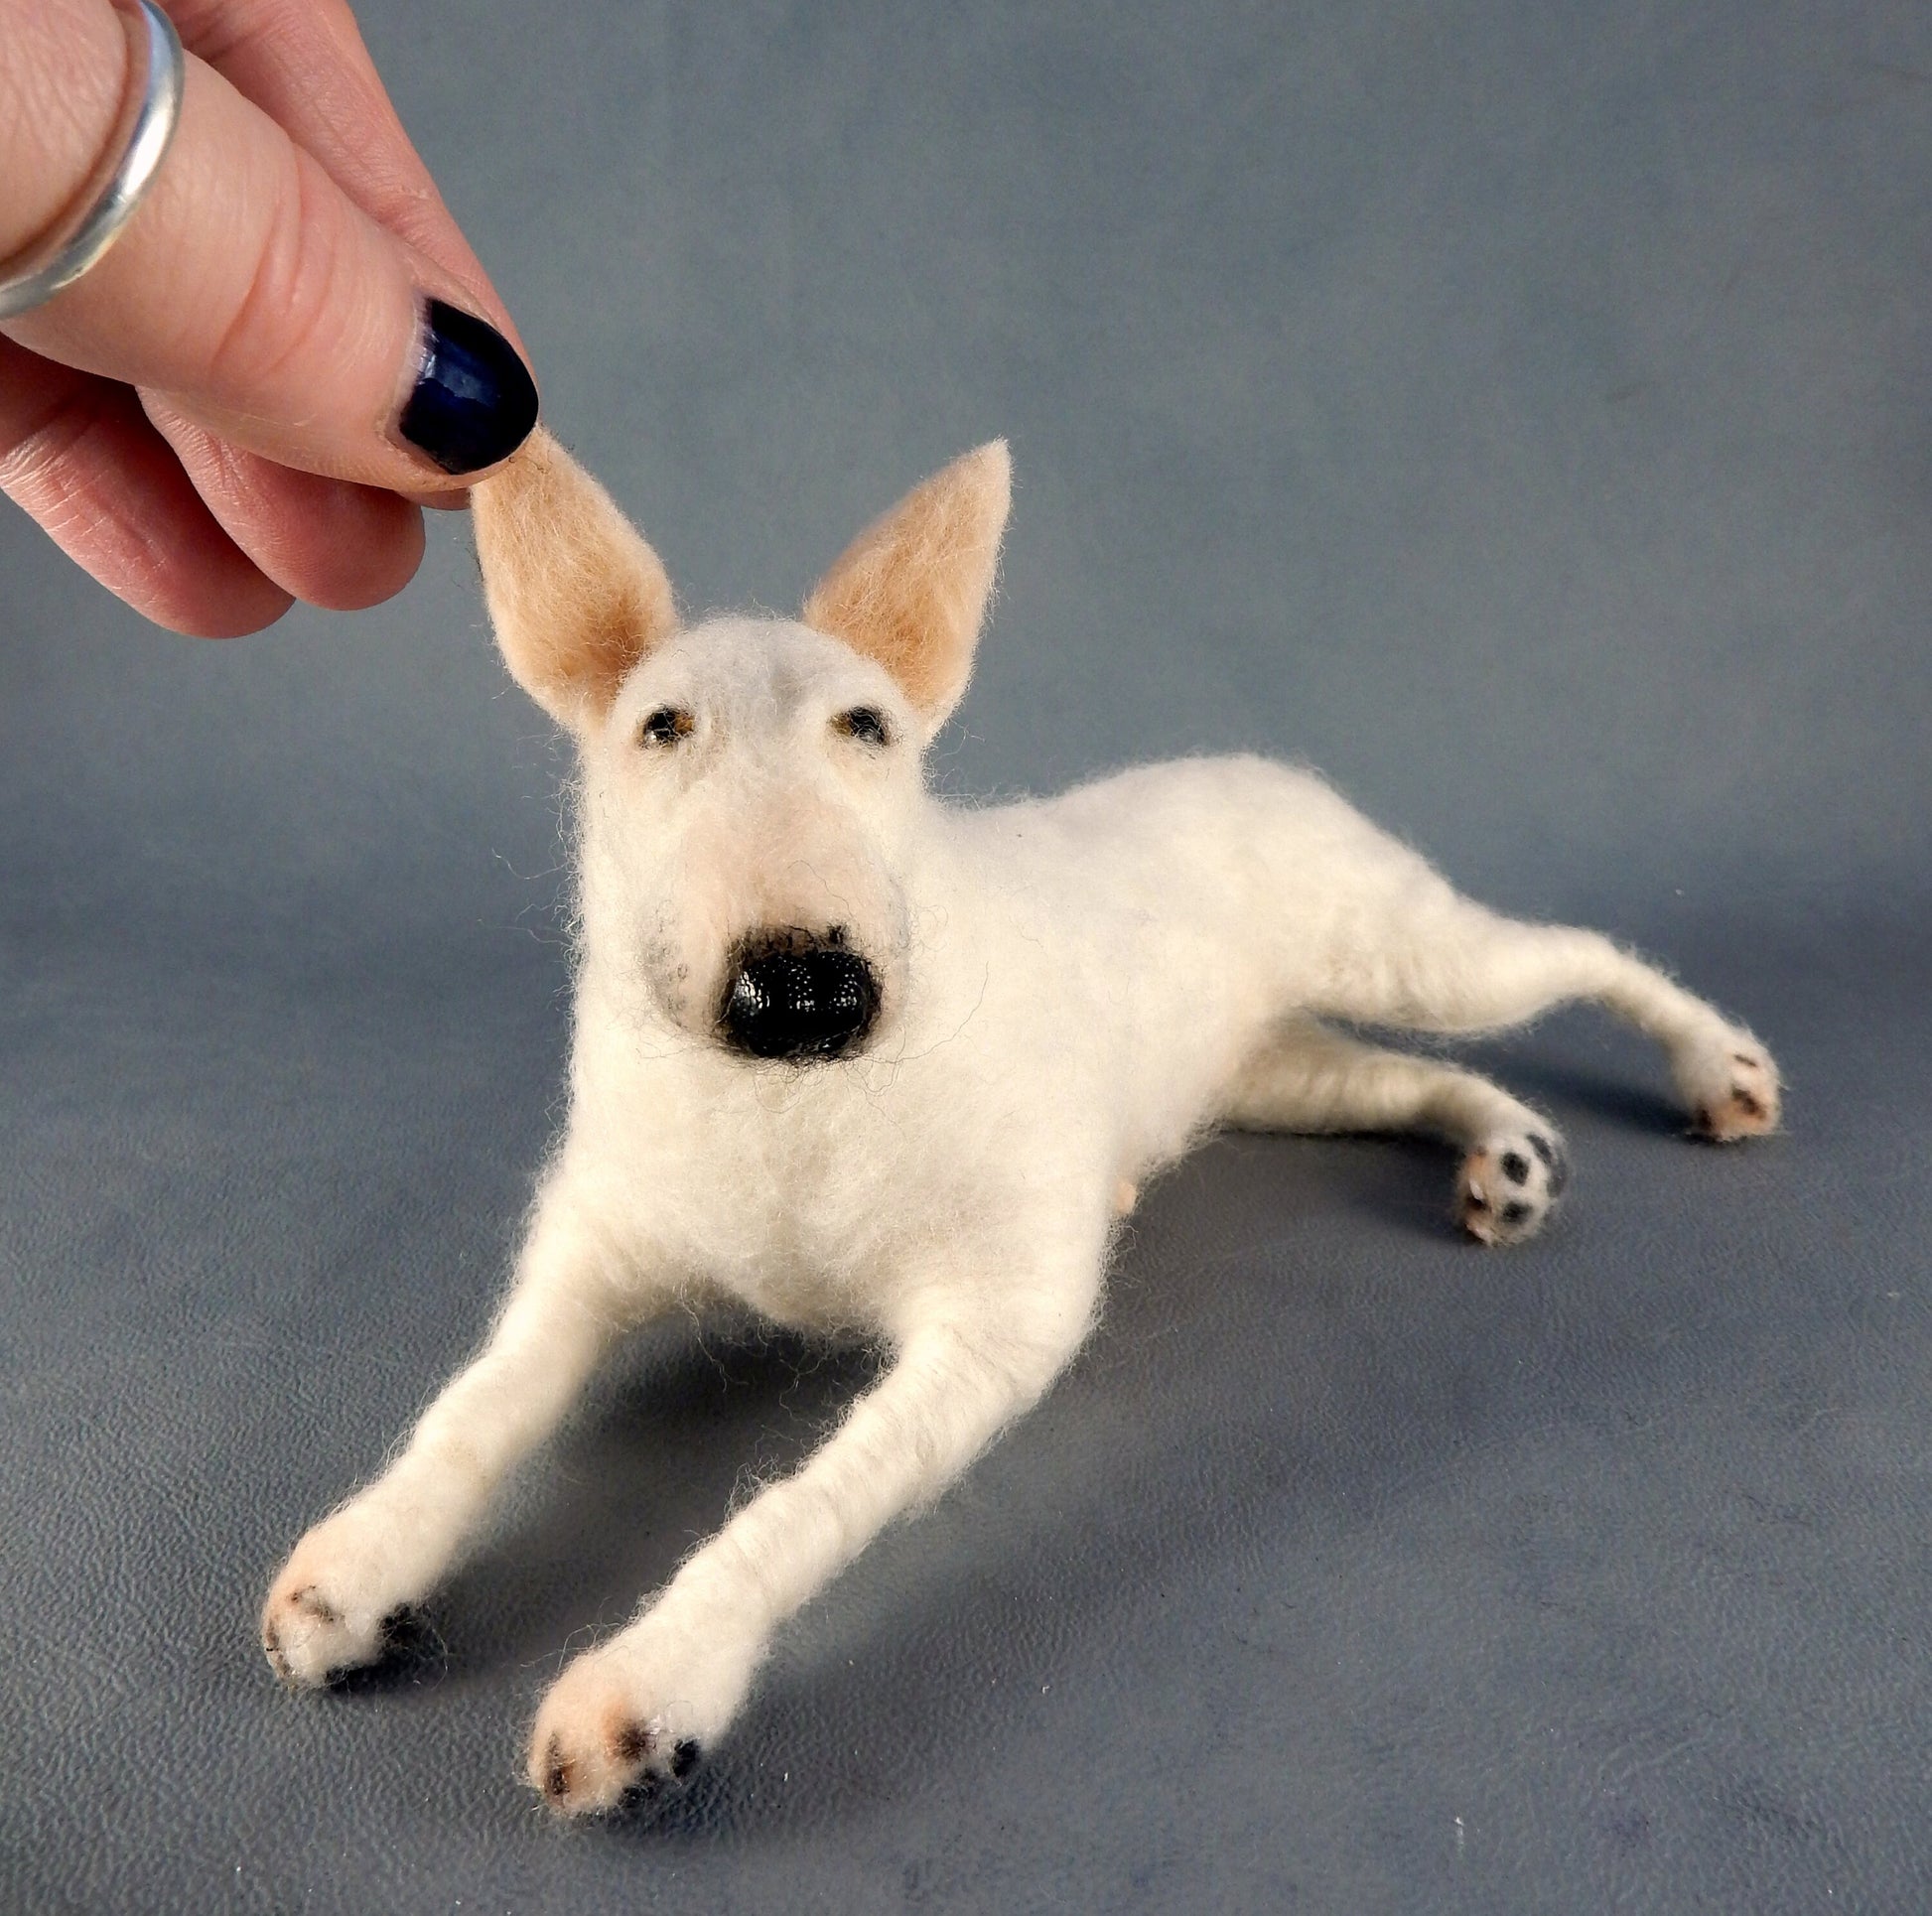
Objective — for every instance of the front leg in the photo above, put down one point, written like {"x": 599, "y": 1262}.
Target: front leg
{"x": 644, "y": 1704}
{"x": 390, "y": 1545}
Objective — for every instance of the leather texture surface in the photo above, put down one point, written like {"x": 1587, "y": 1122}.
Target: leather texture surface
{"x": 1520, "y": 413}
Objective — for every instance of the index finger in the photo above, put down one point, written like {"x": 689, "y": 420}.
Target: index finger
{"x": 304, "y": 63}
{"x": 261, "y": 302}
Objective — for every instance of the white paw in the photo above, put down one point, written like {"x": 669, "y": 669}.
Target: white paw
{"x": 636, "y": 1711}
{"x": 333, "y": 1605}
{"x": 1509, "y": 1184}
{"x": 1732, "y": 1088}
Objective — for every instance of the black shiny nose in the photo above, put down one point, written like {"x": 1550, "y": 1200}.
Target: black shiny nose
{"x": 794, "y": 995}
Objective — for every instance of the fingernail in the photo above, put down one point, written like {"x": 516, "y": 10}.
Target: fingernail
{"x": 474, "y": 401}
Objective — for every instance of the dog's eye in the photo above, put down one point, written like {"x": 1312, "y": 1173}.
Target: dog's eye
{"x": 864, "y": 723}
{"x": 665, "y": 726}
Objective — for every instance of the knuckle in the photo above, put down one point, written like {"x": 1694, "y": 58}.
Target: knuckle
{"x": 52, "y": 469}
{"x": 301, "y": 301}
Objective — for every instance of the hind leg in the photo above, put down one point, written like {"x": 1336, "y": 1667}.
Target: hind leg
{"x": 1456, "y": 967}
{"x": 1311, "y": 1078}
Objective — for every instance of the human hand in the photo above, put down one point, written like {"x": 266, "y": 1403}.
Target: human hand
{"x": 243, "y": 402}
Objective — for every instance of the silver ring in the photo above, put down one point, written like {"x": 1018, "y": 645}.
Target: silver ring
{"x": 106, "y": 200}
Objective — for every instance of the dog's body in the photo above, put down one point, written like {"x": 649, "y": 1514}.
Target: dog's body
{"x": 868, "y": 1063}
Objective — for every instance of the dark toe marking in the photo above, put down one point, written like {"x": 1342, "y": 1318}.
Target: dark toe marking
{"x": 1554, "y": 1161}
{"x": 1743, "y": 1058}
{"x": 684, "y": 1759}
{"x": 272, "y": 1643}
{"x": 1477, "y": 1202}
{"x": 1515, "y": 1212}
{"x": 1746, "y": 1103}
{"x": 1701, "y": 1118}
{"x": 632, "y": 1743}
{"x": 558, "y": 1770}
{"x": 1516, "y": 1167}
{"x": 316, "y": 1607}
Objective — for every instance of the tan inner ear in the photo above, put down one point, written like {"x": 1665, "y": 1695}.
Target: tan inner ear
{"x": 911, "y": 590}
{"x": 576, "y": 596}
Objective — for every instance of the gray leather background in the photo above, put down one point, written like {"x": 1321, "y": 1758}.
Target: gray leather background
{"x": 1521, "y": 412}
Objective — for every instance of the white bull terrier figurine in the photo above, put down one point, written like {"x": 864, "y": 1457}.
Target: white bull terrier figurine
{"x": 872, "y": 1063}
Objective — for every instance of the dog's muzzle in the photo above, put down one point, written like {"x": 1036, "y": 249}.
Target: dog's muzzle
{"x": 795, "y": 994}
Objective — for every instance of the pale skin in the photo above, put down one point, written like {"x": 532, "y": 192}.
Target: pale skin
{"x": 205, "y": 420}
{"x": 1070, "y": 990}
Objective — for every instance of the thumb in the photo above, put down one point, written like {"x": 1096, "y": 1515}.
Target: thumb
{"x": 252, "y": 295}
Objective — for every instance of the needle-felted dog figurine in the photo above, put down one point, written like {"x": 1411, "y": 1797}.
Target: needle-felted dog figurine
{"x": 866, "y": 1061}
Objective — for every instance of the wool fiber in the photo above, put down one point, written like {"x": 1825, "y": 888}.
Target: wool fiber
{"x": 991, "y": 1027}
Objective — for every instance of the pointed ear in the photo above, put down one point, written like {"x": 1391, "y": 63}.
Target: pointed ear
{"x": 576, "y": 596}
{"x": 910, "y": 591}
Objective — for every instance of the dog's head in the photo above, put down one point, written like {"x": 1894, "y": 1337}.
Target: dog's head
{"x": 751, "y": 786}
